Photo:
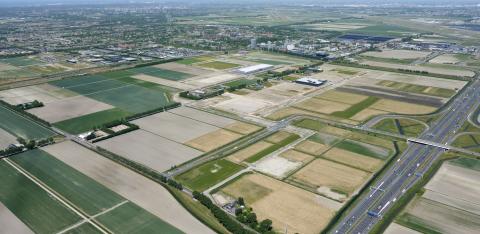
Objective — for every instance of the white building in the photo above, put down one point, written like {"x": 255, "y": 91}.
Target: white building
{"x": 310, "y": 81}
{"x": 255, "y": 68}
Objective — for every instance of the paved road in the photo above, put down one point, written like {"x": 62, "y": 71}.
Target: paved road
{"x": 411, "y": 165}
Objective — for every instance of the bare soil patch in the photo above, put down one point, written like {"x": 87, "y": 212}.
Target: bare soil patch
{"x": 311, "y": 147}
{"x": 243, "y": 154}
{"x": 203, "y": 116}
{"x": 402, "y": 107}
{"x": 213, "y": 140}
{"x": 343, "y": 97}
{"x": 10, "y": 223}
{"x": 6, "y": 139}
{"x": 278, "y": 137}
{"x": 322, "y": 106}
{"x": 445, "y": 59}
{"x": 183, "y": 68}
{"x": 398, "y": 54}
{"x": 296, "y": 156}
{"x": 243, "y": 128}
{"x": 276, "y": 166}
{"x": 353, "y": 159}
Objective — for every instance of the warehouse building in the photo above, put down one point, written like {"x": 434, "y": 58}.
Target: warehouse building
{"x": 310, "y": 81}
{"x": 255, "y": 68}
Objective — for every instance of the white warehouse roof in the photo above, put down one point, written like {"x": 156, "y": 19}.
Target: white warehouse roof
{"x": 255, "y": 68}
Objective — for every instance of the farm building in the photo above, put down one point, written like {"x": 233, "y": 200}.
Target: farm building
{"x": 310, "y": 81}
{"x": 255, "y": 68}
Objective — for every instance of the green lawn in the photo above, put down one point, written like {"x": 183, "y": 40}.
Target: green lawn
{"x": 88, "y": 122}
{"x": 20, "y": 126}
{"x": 84, "y": 192}
{"x": 130, "y": 218}
{"x": 189, "y": 61}
{"x": 31, "y": 204}
{"x": 209, "y": 174}
{"x": 162, "y": 73}
{"x": 219, "y": 65}
{"x": 272, "y": 148}
{"x": 401, "y": 126}
{"x": 354, "y": 109}
{"x": 468, "y": 141}
{"x": 470, "y": 163}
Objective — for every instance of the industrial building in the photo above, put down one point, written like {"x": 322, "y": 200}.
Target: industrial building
{"x": 255, "y": 68}
{"x": 310, "y": 81}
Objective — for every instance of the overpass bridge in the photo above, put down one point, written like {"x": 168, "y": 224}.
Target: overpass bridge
{"x": 429, "y": 143}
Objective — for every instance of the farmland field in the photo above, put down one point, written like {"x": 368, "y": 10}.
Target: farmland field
{"x": 31, "y": 204}
{"x": 87, "y": 122}
{"x": 162, "y": 73}
{"x": 20, "y": 126}
{"x": 209, "y": 174}
{"x": 219, "y": 65}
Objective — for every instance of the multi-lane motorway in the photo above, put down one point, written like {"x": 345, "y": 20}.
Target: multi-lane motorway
{"x": 409, "y": 168}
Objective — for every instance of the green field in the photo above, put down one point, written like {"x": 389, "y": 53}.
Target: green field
{"x": 20, "y": 61}
{"x": 16, "y": 73}
{"x": 84, "y": 192}
{"x": 387, "y": 60}
{"x": 420, "y": 89}
{"x": 19, "y": 126}
{"x": 209, "y": 174}
{"x": 161, "y": 73}
{"x": 364, "y": 149}
{"x": 401, "y": 126}
{"x": 470, "y": 163}
{"x": 309, "y": 124}
{"x": 325, "y": 139}
{"x": 354, "y": 109}
{"x": 268, "y": 61}
{"x": 85, "y": 228}
{"x": 468, "y": 141}
{"x": 88, "y": 122}
{"x": 272, "y": 148}
{"x": 130, "y": 218}
{"x": 31, "y": 204}
{"x": 189, "y": 61}
{"x": 219, "y": 65}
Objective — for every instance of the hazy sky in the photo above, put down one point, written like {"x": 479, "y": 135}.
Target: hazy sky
{"x": 374, "y": 2}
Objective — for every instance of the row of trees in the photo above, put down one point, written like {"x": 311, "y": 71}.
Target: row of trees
{"x": 23, "y": 112}
{"x": 25, "y": 145}
{"x": 246, "y": 216}
{"x": 30, "y": 105}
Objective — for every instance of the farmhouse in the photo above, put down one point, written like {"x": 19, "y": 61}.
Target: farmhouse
{"x": 254, "y": 68}
{"x": 310, "y": 81}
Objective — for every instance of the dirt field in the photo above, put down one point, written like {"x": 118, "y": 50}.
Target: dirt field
{"x": 44, "y": 93}
{"x": 7, "y": 67}
{"x": 402, "y": 107}
{"x": 445, "y": 59}
{"x": 10, "y": 223}
{"x": 150, "y": 150}
{"x": 423, "y": 80}
{"x": 322, "y": 106}
{"x": 285, "y": 112}
{"x": 6, "y": 139}
{"x": 136, "y": 188}
{"x": 278, "y": 137}
{"x": 365, "y": 114}
{"x": 243, "y": 128}
{"x": 398, "y": 54}
{"x": 170, "y": 83}
{"x": 213, "y": 78}
{"x": 336, "y": 26}
{"x": 434, "y": 70}
{"x": 395, "y": 228}
{"x": 455, "y": 186}
{"x": 343, "y": 97}
{"x": 353, "y": 159}
{"x": 203, "y": 116}
{"x": 174, "y": 127}
{"x": 213, "y": 140}
{"x": 296, "y": 156}
{"x": 183, "y": 68}
{"x": 311, "y": 147}
{"x": 64, "y": 109}
{"x": 241, "y": 104}
{"x": 323, "y": 173}
{"x": 243, "y": 154}
{"x": 276, "y": 200}
{"x": 277, "y": 166}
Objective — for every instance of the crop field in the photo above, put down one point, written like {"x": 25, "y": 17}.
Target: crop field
{"x": 296, "y": 156}
{"x": 468, "y": 141}
{"x": 151, "y": 150}
{"x": 445, "y": 59}
{"x": 208, "y": 174}
{"x": 275, "y": 200}
{"x": 395, "y": 228}
{"x": 44, "y": 93}
{"x": 247, "y": 152}
{"x": 213, "y": 140}
{"x": 398, "y": 54}
{"x": 6, "y": 139}
{"x": 311, "y": 147}
{"x": 281, "y": 143}
{"x": 182, "y": 69}
{"x": 412, "y": 88}
{"x": 243, "y": 128}
{"x": 354, "y": 160}
{"x": 405, "y": 127}
{"x": 193, "y": 60}
{"x": 134, "y": 187}
{"x": 88, "y": 122}
{"x": 161, "y": 73}
{"x": 219, "y": 65}
{"x": 434, "y": 70}
{"x": 10, "y": 223}
{"x": 449, "y": 204}
{"x": 20, "y": 126}
{"x": 45, "y": 214}
{"x": 20, "y": 61}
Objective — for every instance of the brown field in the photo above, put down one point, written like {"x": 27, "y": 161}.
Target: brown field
{"x": 401, "y": 107}
{"x": 174, "y": 127}
{"x": 324, "y": 173}
{"x": 170, "y": 83}
{"x": 397, "y": 54}
{"x": 203, "y": 116}
{"x": 6, "y": 67}
{"x": 69, "y": 108}
{"x": 183, "y": 68}
{"x": 311, "y": 147}
{"x": 343, "y": 97}
{"x": 276, "y": 200}
{"x": 322, "y": 106}
{"x": 134, "y": 187}
{"x": 288, "y": 111}
{"x": 395, "y": 228}
{"x": 150, "y": 150}
{"x": 367, "y": 113}
{"x": 243, "y": 154}
{"x": 278, "y": 137}
{"x": 10, "y": 223}
{"x": 296, "y": 156}
{"x": 213, "y": 140}
{"x": 445, "y": 59}
{"x": 44, "y": 93}
{"x": 422, "y": 80}
{"x": 6, "y": 139}
{"x": 353, "y": 159}
{"x": 212, "y": 78}
{"x": 243, "y": 128}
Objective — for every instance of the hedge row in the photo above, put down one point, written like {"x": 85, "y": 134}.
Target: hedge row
{"x": 23, "y": 112}
{"x": 160, "y": 109}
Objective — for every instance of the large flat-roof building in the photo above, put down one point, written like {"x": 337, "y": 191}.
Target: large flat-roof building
{"x": 255, "y": 68}
{"x": 310, "y": 81}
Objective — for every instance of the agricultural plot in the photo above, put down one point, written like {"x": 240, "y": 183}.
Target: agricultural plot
{"x": 20, "y": 61}
{"x": 247, "y": 152}
{"x": 411, "y": 88}
{"x": 354, "y": 160}
{"x": 161, "y": 73}
{"x": 6, "y": 139}
{"x": 20, "y": 126}
{"x": 405, "y": 127}
{"x": 445, "y": 59}
{"x": 433, "y": 70}
{"x": 219, "y": 65}
{"x": 44, "y": 93}
{"x": 193, "y": 60}
{"x": 208, "y": 174}
{"x": 398, "y": 54}
{"x": 275, "y": 200}
{"x": 449, "y": 204}
{"x": 11, "y": 224}
{"x": 213, "y": 140}
{"x": 335, "y": 26}
{"x": 203, "y": 116}
{"x": 181, "y": 68}
{"x": 145, "y": 193}
{"x": 468, "y": 141}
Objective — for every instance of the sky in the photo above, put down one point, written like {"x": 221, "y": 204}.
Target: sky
{"x": 317, "y": 2}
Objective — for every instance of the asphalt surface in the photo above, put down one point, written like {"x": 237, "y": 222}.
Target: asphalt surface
{"x": 411, "y": 165}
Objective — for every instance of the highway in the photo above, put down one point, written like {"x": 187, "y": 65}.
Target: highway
{"x": 410, "y": 166}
